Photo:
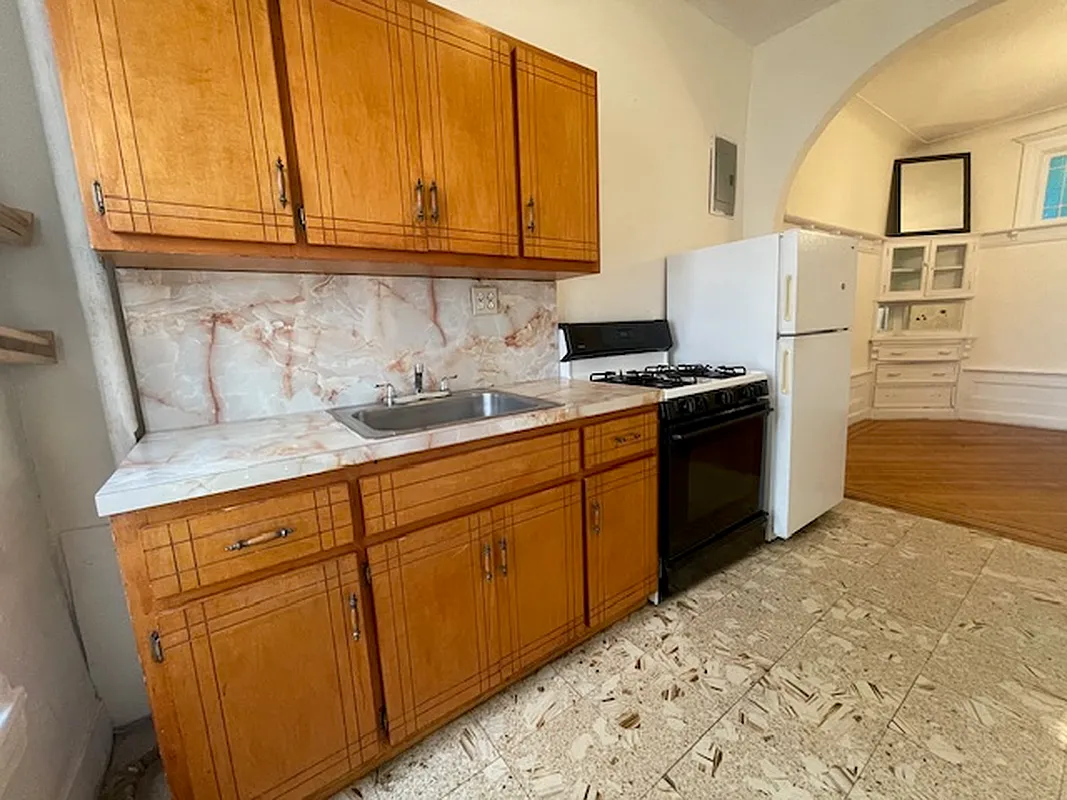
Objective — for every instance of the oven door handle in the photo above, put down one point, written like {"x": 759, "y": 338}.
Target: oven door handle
{"x": 760, "y": 410}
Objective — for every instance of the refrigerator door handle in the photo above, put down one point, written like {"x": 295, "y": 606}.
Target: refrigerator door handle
{"x": 788, "y": 298}
{"x": 787, "y": 357}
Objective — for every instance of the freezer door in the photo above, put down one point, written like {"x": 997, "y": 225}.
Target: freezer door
{"x": 817, "y": 282}
{"x": 811, "y": 429}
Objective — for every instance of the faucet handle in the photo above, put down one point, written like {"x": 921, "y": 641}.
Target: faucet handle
{"x": 390, "y": 392}
{"x": 443, "y": 385}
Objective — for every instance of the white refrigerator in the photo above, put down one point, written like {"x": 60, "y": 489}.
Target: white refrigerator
{"x": 782, "y": 304}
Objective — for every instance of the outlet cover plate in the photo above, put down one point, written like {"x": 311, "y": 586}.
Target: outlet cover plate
{"x": 484, "y": 300}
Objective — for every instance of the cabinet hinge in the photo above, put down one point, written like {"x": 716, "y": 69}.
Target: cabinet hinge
{"x": 384, "y": 720}
{"x": 302, "y": 217}
{"x": 98, "y": 197}
{"x": 156, "y": 646}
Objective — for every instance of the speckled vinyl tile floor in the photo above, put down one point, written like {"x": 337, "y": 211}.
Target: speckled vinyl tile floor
{"x": 874, "y": 655}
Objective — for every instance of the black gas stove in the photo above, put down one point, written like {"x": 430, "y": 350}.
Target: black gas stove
{"x": 668, "y": 376}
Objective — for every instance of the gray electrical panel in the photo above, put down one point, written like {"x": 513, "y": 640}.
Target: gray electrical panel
{"x": 723, "y": 177}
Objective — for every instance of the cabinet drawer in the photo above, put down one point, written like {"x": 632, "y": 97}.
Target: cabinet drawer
{"x": 200, "y": 550}
{"x": 918, "y": 352}
{"x": 913, "y": 396}
{"x": 931, "y": 372}
{"x": 618, "y": 439}
{"x": 413, "y": 494}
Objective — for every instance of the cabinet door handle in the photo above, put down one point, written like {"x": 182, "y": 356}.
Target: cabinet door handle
{"x": 283, "y": 198}
{"x": 263, "y": 538}
{"x": 435, "y": 210}
{"x": 420, "y": 209}
{"x": 487, "y": 562}
{"x": 504, "y": 557}
{"x": 596, "y": 517}
{"x": 353, "y": 610}
{"x": 628, "y": 437}
{"x": 531, "y": 220}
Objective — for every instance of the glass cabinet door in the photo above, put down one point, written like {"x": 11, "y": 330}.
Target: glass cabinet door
{"x": 906, "y": 264}
{"x": 948, "y": 270}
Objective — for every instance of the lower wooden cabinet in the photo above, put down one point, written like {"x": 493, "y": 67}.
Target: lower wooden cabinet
{"x": 269, "y": 686}
{"x": 620, "y": 536}
{"x": 463, "y": 605}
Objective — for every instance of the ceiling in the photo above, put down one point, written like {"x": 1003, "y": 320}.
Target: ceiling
{"x": 756, "y": 20}
{"x": 1007, "y": 62}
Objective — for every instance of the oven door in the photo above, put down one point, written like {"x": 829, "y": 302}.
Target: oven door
{"x": 710, "y": 477}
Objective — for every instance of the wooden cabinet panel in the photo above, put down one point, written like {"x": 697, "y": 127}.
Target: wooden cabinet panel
{"x": 350, "y": 67}
{"x": 202, "y": 549}
{"x": 558, "y": 173}
{"x": 621, "y": 532}
{"x": 412, "y": 494}
{"x": 185, "y": 118}
{"x": 270, "y": 684}
{"x": 436, "y": 615}
{"x": 468, "y": 134}
{"x": 619, "y": 439}
{"x": 538, "y": 542}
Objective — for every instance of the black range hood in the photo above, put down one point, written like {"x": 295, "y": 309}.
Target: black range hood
{"x": 600, "y": 339}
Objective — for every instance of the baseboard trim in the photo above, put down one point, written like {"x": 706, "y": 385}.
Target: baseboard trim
{"x": 861, "y": 390}
{"x": 90, "y": 763}
{"x": 1030, "y": 398}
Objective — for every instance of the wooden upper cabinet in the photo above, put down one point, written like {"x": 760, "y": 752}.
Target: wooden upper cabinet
{"x": 466, "y": 104}
{"x": 350, "y": 67}
{"x": 621, "y": 529}
{"x": 269, "y": 685}
{"x": 184, "y": 117}
{"x": 558, "y": 174}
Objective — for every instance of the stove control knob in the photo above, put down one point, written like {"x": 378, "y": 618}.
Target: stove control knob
{"x": 726, "y": 398}
{"x": 690, "y": 405}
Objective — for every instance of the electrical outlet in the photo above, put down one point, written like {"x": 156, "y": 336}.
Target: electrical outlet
{"x": 484, "y": 300}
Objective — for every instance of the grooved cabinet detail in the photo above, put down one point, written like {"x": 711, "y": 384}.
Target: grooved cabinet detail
{"x": 620, "y": 535}
{"x": 185, "y": 118}
{"x": 347, "y": 130}
{"x": 290, "y": 644}
{"x": 271, "y": 690}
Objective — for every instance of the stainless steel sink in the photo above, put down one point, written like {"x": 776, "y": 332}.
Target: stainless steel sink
{"x": 379, "y": 421}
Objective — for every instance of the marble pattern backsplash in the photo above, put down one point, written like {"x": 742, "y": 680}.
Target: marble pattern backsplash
{"x": 221, "y": 347}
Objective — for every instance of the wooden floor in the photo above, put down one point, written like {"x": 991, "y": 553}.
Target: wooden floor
{"x": 1000, "y": 478}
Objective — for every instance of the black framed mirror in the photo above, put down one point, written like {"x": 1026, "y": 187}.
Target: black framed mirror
{"x": 930, "y": 195}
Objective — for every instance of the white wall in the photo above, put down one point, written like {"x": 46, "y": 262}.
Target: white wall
{"x": 61, "y": 410}
{"x": 802, "y": 76}
{"x": 69, "y": 736}
{"x": 845, "y": 177}
{"x": 669, "y": 81}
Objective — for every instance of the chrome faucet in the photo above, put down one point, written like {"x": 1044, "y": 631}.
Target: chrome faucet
{"x": 390, "y": 393}
{"x": 418, "y": 379}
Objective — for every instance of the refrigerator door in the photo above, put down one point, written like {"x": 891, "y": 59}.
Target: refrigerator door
{"x": 816, "y": 282}
{"x": 811, "y": 429}
{"x": 722, "y": 303}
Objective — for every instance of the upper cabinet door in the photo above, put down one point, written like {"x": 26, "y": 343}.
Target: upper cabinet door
{"x": 183, "y": 109}
{"x": 557, "y": 157}
{"x": 351, "y": 81}
{"x": 466, "y": 106}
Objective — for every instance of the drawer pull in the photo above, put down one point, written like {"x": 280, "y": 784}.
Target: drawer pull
{"x": 487, "y": 562}
{"x": 896, "y": 352}
{"x": 944, "y": 352}
{"x": 504, "y": 557}
{"x": 596, "y": 517}
{"x": 263, "y": 538}
{"x": 892, "y": 374}
{"x": 940, "y": 374}
{"x": 353, "y": 609}
{"x": 629, "y": 437}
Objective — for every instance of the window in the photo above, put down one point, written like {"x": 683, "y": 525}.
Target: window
{"x": 1042, "y": 198}
{"x": 1055, "y": 205}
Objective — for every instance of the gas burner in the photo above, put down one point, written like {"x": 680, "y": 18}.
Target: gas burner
{"x": 652, "y": 378}
{"x": 708, "y": 371}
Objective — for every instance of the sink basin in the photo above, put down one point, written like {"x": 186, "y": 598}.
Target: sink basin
{"x": 379, "y": 421}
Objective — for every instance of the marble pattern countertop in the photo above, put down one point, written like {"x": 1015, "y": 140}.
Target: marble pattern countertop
{"x": 171, "y": 466}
